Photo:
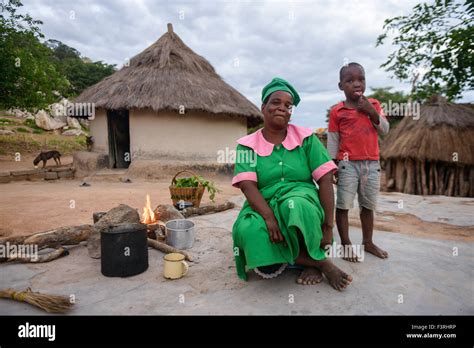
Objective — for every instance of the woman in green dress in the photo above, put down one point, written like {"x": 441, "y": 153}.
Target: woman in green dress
{"x": 286, "y": 218}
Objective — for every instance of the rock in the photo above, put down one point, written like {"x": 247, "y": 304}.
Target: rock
{"x": 40, "y": 175}
{"x": 44, "y": 121}
{"x": 20, "y": 113}
{"x": 6, "y": 132}
{"x": 391, "y": 183}
{"x": 73, "y": 132}
{"x": 122, "y": 214}
{"x": 5, "y": 177}
{"x": 96, "y": 216}
{"x": 87, "y": 163}
{"x": 167, "y": 212}
{"x": 84, "y": 122}
{"x": 73, "y": 123}
{"x": 50, "y": 176}
{"x": 65, "y": 174}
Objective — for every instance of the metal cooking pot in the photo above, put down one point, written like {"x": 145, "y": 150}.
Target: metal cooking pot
{"x": 180, "y": 233}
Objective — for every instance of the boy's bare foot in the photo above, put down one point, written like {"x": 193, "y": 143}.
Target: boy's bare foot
{"x": 370, "y": 247}
{"x": 350, "y": 256}
{"x": 310, "y": 276}
{"x": 338, "y": 279}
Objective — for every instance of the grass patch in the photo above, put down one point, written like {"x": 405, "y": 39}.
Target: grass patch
{"x": 22, "y": 130}
{"x": 32, "y": 124}
{"x": 34, "y": 143}
{"x": 7, "y": 121}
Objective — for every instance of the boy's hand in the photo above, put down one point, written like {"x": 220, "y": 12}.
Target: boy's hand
{"x": 363, "y": 105}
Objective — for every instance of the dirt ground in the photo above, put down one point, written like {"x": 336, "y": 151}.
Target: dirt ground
{"x": 30, "y": 207}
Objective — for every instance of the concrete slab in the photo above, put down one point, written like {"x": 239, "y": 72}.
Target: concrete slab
{"x": 425, "y": 274}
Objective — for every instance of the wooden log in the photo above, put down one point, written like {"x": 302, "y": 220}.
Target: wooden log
{"x": 400, "y": 175}
{"x": 418, "y": 178}
{"x": 436, "y": 179}
{"x": 388, "y": 170}
{"x": 47, "y": 257}
{"x": 69, "y": 235}
{"x": 431, "y": 178}
{"x": 207, "y": 209}
{"x": 441, "y": 181}
{"x": 167, "y": 248}
{"x": 456, "y": 181}
{"x": 464, "y": 173}
{"x": 471, "y": 181}
{"x": 410, "y": 177}
{"x": 14, "y": 239}
{"x": 450, "y": 190}
{"x": 424, "y": 178}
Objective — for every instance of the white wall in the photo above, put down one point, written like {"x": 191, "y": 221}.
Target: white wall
{"x": 196, "y": 135}
{"x": 98, "y": 129}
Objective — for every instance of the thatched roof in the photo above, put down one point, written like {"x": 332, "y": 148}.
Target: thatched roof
{"x": 442, "y": 129}
{"x": 166, "y": 76}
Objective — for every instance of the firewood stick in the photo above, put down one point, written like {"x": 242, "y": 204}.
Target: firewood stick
{"x": 14, "y": 239}
{"x": 167, "y": 248}
{"x": 211, "y": 208}
{"x": 70, "y": 235}
{"x": 53, "y": 255}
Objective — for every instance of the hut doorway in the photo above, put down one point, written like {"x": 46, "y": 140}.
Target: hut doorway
{"x": 118, "y": 125}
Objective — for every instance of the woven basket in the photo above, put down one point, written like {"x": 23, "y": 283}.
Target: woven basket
{"x": 188, "y": 194}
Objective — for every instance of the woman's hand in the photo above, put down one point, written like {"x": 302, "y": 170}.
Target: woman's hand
{"x": 258, "y": 203}
{"x": 327, "y": 236}
{"x": 274, "y": 230}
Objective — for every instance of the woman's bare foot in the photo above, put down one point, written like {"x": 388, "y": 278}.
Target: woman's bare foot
{"x": 351, "y": 253}
{"x": 338, "y": 279}
{"x": 370, "y": 247}
{"x": 310, "y": 276}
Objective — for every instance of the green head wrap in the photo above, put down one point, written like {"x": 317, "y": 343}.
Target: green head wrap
{"x": 278, "y": 84}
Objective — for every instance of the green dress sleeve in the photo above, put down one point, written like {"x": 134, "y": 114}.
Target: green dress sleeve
{"x": 245, "y": 165}
{"x": 319, "y": 161}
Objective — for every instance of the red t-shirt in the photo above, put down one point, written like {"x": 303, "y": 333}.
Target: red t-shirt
{"x": 358, "y": 137}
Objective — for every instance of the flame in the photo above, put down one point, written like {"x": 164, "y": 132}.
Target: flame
{"x": 148, "y": 216}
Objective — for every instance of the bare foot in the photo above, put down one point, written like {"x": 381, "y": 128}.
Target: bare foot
{"x": 338, "y": 279}
{"x": 310, "y": 276}
{"x": 375, "y": 250}
{"x": 351, "y": 253}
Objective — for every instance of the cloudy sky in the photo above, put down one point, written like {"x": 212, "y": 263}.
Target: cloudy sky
{"x": 247, "y": 42}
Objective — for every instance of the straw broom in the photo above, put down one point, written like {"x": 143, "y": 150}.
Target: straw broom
{"x": 49, "y": 303}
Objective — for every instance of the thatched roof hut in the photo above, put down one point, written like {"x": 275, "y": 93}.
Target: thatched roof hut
{"x": 171, "y": 102}
{"x": 433, "y": 154}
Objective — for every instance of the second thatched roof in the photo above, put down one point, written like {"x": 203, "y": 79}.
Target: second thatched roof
{"x": 443, "y": 131}
{"x": 168, "y": 75}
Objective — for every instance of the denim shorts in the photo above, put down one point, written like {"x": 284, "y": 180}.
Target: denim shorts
{"x": 361, "y": 177}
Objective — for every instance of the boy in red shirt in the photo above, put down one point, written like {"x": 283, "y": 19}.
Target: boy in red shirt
{"x": 353, "y": 144}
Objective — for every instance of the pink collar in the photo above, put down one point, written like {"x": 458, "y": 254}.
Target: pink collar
{"x": 294, "y": 137}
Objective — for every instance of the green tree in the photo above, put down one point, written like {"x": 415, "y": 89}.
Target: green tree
{"x": 435, "y": 48}
{"x": 81, "y": 72}
{"x": 29, "y": 79}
